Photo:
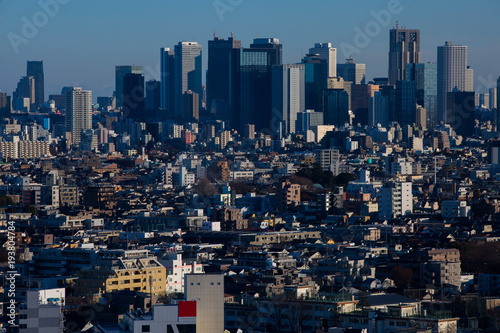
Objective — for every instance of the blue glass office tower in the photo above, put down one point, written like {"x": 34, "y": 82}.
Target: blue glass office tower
{"x": 460, "y": 112}
{"x": 222, "y": 64}
{"x": 167, "y": 78}
{"x": 425, "y": 77}
{"x": 336, "y": 107}
{"x": 405, "y": 102}
{"x": 316, "y": 81}
{"x": 134, "y": 101}
{"x": 253, "y": 94}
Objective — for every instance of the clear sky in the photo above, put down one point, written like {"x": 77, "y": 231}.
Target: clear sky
{"x": 81, "y": 41}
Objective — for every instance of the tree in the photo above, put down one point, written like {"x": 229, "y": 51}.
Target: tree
{"x": 204, "y": 188}
{"x": 343, "y": 179}
{"x": 402, "y": 276}
{"x": 6, "y": 201}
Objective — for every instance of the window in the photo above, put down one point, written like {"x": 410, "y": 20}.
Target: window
{"x": 146, "y": 328}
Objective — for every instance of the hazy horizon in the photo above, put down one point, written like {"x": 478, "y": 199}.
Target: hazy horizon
{"x": 80, "y": 42}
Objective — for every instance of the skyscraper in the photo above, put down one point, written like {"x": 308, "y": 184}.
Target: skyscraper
{"x": 327, "y": 52}
{"x": 494, "y": 105}
{"x": 5, "y": 105}
{"x": 425, "y": 77}
{"x": 378, "y": 109}
{"x": 360, "y": 94}
{"x": 469, "y": 79}
{"x": 187, "y": 72}
{"x": 191, "y": 108}
{"x": 35, "y": 69}
{"x": 493, "y": 98}
{"x": 222, "y": 65}
{"x": 167, "y": 78}
{"x": 460, "y": 112}
{"x": 351, "y": 71}
{"x": 78, "y": 112}
{"x": 26, "y": 89}
{"x": 255, "y": 84}
{"x": 336, "y": 107}
{"x": 405, "y": 102}
{"x": 404, "y": 49}
{"x": 120, "y": 72}
{"x": 288, "y": 94}
{"x": 316, "y": 81}
{"x": 452, "y": 66}
{"x": 134, "y": 102}
{"x": 153, "y": 95}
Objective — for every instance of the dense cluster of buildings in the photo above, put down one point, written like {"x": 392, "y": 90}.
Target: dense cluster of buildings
{"x": 277, "y": 198}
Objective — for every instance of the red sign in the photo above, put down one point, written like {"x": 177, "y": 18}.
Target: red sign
{"x": 187, "y": 309}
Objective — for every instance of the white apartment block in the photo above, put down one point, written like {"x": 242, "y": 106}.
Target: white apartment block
{"x": 177, "y": 268}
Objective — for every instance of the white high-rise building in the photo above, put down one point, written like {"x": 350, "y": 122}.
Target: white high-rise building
{"x": 452, "y": 73}
{"x": 469, "y": 79}
{"x": 187, "y": 71}
{"x": 395, "y": 199}
{"x": 78, "y": 112}
{"x": 329, "y": 53}
{"x": 288, "y": 94}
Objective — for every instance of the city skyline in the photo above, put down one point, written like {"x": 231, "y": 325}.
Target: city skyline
{"x": 104, "y": 45}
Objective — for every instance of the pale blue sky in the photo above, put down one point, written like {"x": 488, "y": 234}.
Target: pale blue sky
{"x": 85, "y": 39}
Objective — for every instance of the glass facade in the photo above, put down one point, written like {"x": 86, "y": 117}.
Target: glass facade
{"x": 336, "y": 107}
{"x": 405, "y": 102}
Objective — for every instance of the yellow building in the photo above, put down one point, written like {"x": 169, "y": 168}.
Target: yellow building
{"x": 123, "y": 274}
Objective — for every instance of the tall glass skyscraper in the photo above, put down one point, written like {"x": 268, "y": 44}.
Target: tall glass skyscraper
{"x": 351, "y": 71}
{"x": 460, "y": 112}
{"x": 327, "y": 52}
{"x": 222, "y": 64}
{"x": 167, "y": 78}
{"x": 425, "y": 77}
{"x": 405, "y": 102}
{"x": 255, "y": 84}
{"x": 336, "y": 107}
{"x": 316, "y": 81}
{"x": 120, "y": 72}
{"x": 134, "y": 99}
{"x": 404, "y": 49}
{"x": 35, "y": 69}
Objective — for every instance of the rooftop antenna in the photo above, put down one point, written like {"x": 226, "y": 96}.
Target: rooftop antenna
{"x": 231, "y": 34}
{"x": 397, "y": 25}
{"x": 214, "y": 34}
